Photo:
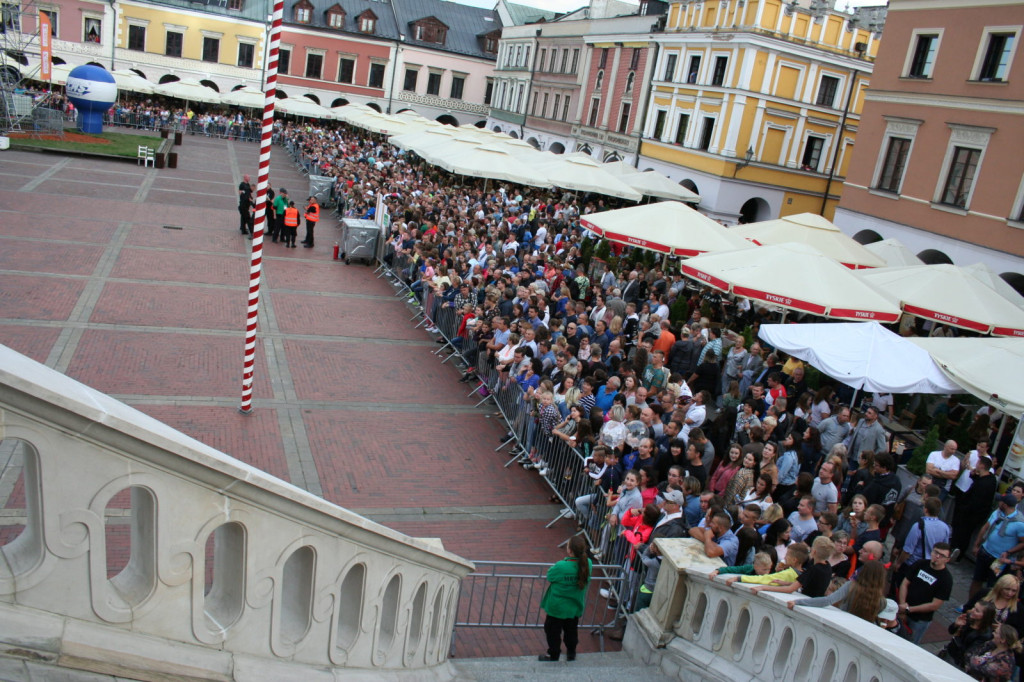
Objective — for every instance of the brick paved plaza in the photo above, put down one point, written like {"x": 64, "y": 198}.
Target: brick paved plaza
{"x": 349, "y": 402}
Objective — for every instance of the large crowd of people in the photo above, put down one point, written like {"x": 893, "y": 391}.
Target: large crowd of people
{"x": 795, "y": 491}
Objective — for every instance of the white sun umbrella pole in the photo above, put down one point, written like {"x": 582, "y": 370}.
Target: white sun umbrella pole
{"x": 263, "y": 182}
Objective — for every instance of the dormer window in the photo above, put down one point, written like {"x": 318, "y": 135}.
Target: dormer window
{"x": 368, "y": 22}
{"x": 490, "y": 42}
{"x": 303, "y": 12}
{"x": 336, "y": 17}
{"x": 430, "y": 30}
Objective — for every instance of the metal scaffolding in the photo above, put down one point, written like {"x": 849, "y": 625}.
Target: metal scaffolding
{"x": 21, "y": 110}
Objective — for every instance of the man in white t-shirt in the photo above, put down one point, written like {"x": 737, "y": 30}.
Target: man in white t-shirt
{"x": 802, "y": 520}
{"x": 883, "y": 403}
{"x": 944, "y": 466}
{"x": 964, "y": 482}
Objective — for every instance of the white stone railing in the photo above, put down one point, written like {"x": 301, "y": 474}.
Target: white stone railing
{"x": 149, "y": 555}
{"x": 698, "y": 628}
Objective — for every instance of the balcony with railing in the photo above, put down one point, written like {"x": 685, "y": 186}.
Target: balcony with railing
{"x": 145, "y": 554}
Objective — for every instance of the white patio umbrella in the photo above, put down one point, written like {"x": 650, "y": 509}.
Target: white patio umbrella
{"x": 808, "y": 228}
{"x": 584, "y": 175}
{"x": 665, "y": 227}
{"x": 863, "y": 355}
{"x": 127, "y": 79}
{"x": 795, "y": 277}
{"x": 422, "y": 138}
{"x": 488, "y": 161}
{"x": 59, "y": 73}
{"x": 248, "y": 97}
{"x": 991, "y": 369}
{"x": 650, "y": 183}
{"x": 894, "y": 253}
{"x": 304, "y": 107}
{"x": 951, "y": 295}
{"x": 347, "y": 111}
{"x": 986, "y": 275}
{"x": 189, "y": 90}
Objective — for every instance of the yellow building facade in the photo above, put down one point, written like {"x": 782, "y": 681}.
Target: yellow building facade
{"x": 225, "y": 47}
{"x": 755, "y": 103}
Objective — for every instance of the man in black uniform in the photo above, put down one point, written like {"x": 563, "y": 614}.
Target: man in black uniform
{"x": 245, "y": 206}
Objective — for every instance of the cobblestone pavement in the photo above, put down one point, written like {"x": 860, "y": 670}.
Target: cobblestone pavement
{"x": 134, "y": 281}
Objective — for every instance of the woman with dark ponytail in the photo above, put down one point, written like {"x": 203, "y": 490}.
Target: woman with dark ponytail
{"x": 563, "y": 601}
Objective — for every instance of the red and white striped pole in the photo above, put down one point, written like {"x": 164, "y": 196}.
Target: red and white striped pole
{"x": 262, "y": 183}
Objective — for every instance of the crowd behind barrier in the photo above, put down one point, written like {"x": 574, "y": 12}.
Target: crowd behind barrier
{"x": 633, "y": 419}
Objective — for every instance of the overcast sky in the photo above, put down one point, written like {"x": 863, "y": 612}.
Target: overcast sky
{"x": 567, "y": 5}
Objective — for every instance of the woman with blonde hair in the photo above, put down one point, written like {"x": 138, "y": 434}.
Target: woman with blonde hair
{"x": 1004, "y": 596}
{"x": 995, "y": 661}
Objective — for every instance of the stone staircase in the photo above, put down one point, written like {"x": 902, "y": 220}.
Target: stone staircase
{"x": 586, "y": 668}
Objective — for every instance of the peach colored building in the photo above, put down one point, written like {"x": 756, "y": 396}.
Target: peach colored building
{"x": 938, "y": 163}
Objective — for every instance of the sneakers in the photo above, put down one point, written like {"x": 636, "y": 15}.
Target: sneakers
{"x": 955, "y": 556}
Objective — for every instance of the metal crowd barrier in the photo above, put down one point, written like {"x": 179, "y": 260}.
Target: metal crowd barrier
{"x": 508, "y": 595}
{"x": 248, "y": 131}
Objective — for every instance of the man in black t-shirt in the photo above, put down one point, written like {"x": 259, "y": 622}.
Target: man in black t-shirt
{"x": 926, "y": 585}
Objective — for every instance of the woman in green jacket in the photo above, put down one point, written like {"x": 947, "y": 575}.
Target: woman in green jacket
{"x": 563, "y": 601}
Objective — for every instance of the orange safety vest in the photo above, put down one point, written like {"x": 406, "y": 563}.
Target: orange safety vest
{"x": 313, "y": 212}
{"x": 291, "y": 217}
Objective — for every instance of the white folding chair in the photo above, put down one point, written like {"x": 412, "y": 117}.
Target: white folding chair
{"x": 150, "y": 157}
{"x": 142, "y": 155}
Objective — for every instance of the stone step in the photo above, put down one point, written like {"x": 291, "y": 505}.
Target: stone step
{"x": 586, "y": 668}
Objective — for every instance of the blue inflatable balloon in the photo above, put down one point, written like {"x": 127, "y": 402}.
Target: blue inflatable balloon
{"x": 92, "y": 90}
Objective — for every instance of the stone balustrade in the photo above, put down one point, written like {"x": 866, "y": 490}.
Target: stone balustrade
{"x": 699, "y": 629}
{"x": 146, "y": 554}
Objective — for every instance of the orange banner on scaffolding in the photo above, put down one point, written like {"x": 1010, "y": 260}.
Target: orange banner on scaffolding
{"x": 45, "y": 48}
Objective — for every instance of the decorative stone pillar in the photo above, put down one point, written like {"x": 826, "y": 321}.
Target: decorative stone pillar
{"x": 657, "y": 622}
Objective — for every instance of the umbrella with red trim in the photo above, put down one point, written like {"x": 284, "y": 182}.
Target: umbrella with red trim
{"x": 951, "y": 295}
{"x": 808, "y": 228}
{"x": 795, "y": 277}
{"x": 666, "y": 227}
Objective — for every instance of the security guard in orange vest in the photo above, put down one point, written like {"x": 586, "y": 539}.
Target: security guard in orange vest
{"x": 312, "y": 216}
{"x": 291, "y": 224}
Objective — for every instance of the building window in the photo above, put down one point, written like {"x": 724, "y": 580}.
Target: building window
{"x": 542, "y": 59}
{"x": 693, "y": 70}
{"x": 519, "y": 55}
{"x": 488, "y": 92}
{"x": 376, "y": 79}
{"x": 302, "y": 15}
{"x": 51, "y": 14}
{"x": 346, "y": 70}
{"x": 434, "y": 84}
{"x": 827, "y": 91}
{"x": 684, "y": 124}
{"x": 924, "y": 56}
{"x": 630, "y": 80}
{"x": 659, "y": 124}
{"x": 624, "y": 117}
{"x": 565, "y": 60}
{"x": 600, "y": 80}
{"x": 554, "y": 109}
{"x": 706, "y": 133}
{"x": 718, "y": 75}
{"x": 237, "y": 5}
{"x": 634, "y": 59}
{"x": 960, "y": 177}
{"x": 211, "y": 49}
{"x": 136, "y": 37}
{"x": 175, "y": 41}
{"x": 595, "y": 105}
{"x": 575, "y": 60}
{"x": 603, "y": 62}
{"x": 490, "y": 44}
{"x": 92, "y": 30}
{"x": 543, "y": 106}
{"x": 10, "y": 17}
{"x": 565, "y": 107}
{"x": 411, "y": 75}
{"x": 670, "y": 67}
{"x": 433, "y": 33}
{"x": 284, "y": 60}
{"x": 367, "y": 22}
{"x": 314, "y": 65}
{"x": 533, "y": 105}
{"x": 998, "y": 52}
{"x": 458, "y": 85}
{"x": 336, "y": 20}
{"x": 812, "y": 153}
{"x": 246, "y": 54}
{"x": 554, "y": 59}
{"x": 895, "y": 162}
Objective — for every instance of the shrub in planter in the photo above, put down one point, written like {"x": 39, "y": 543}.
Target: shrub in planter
{"x": 930, "y": 444}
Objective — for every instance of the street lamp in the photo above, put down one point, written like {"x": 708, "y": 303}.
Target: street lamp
{"x": 745, "y": 162}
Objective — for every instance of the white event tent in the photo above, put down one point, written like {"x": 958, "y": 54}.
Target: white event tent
{"x": 665, "y": 227}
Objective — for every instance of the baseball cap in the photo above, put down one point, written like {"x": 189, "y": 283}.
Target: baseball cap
{"x": 1009, "y": 500}
{"x": 674, "y": 497}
